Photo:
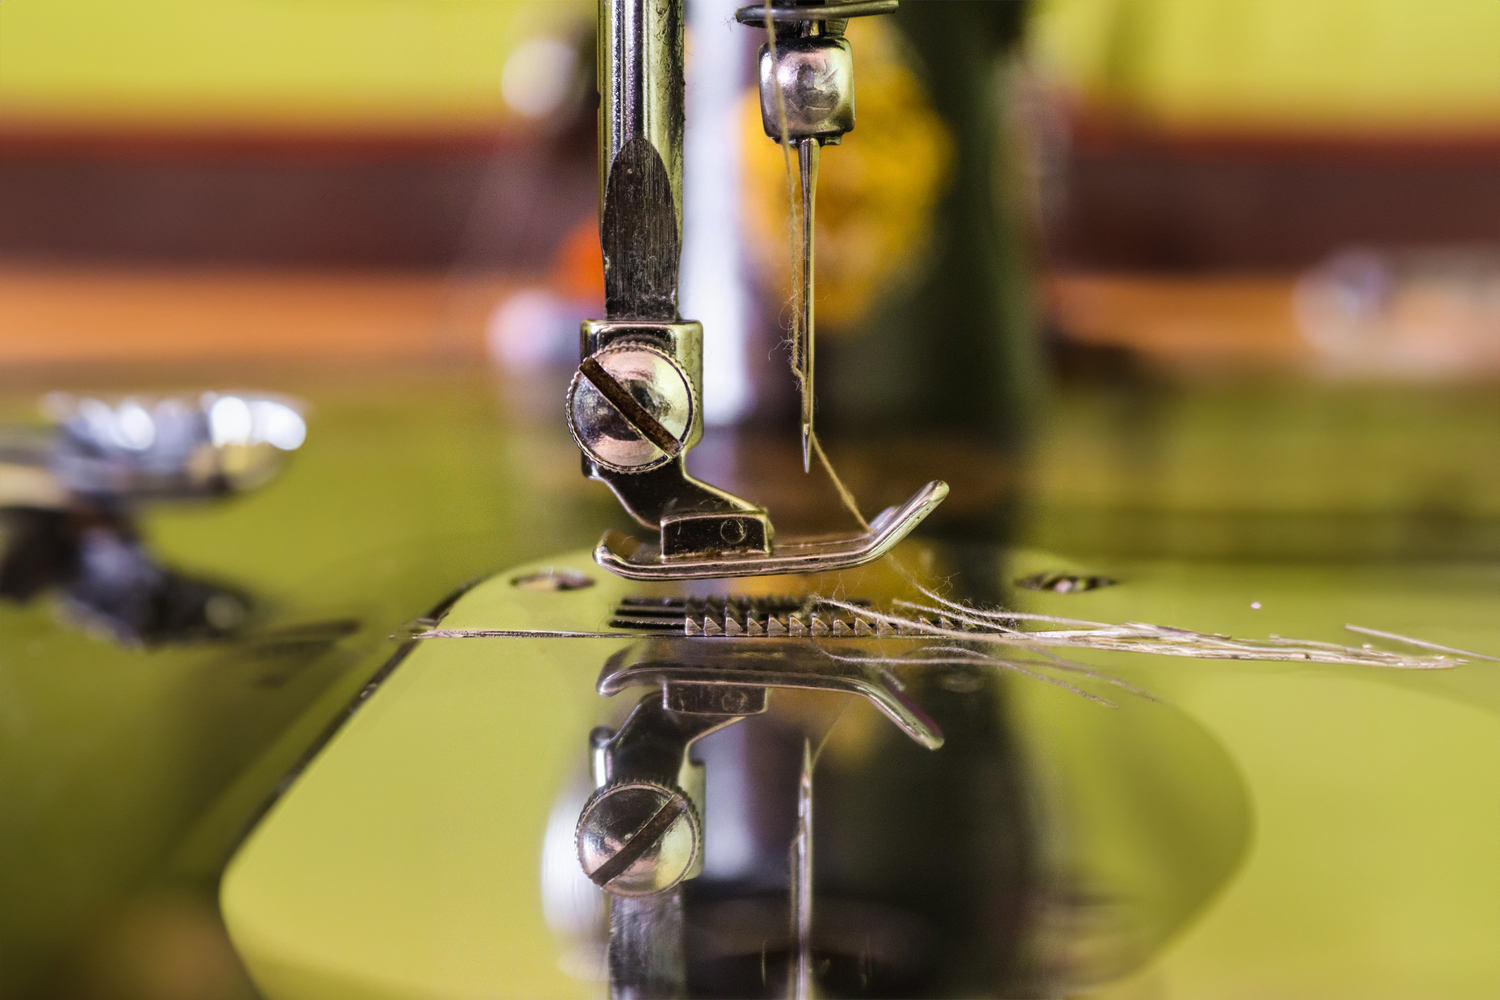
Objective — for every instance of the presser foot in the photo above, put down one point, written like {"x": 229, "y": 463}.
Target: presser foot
{"x": 634, "y": 559}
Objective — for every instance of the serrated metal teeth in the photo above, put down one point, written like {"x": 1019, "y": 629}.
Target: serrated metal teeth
{"x": 776, "y": 617}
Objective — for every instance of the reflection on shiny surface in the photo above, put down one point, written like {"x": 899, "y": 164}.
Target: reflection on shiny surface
{"x": 70, "y": 503}
{"x": 172, "y": 447}
{"x": 109, "y": 582}
{"x": 1019, "y": 859}
{"x": 124, "y": 769}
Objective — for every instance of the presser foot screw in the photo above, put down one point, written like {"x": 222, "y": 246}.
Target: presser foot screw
{"x": 638, "y": 838}
{"x": 630, "y": 408}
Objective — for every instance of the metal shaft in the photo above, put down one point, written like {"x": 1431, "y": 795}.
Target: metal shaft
{"x": 640, "y": 155}
{"x": 800, "y": 985}
{"x": 807, "y": 160}
{"x": 645, "y": 948}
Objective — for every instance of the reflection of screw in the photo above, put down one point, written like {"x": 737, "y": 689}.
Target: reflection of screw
{"x": 638, "y": 838}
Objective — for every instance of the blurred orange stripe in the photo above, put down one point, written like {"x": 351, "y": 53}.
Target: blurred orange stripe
{"x": 1186, "y": 318}
{"x": 61, "y": 315}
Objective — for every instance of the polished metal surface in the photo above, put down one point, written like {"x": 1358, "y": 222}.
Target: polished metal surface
{"x": 660, "y": 490}
{"x": 646, "y": 959}
{"x": 630, "y": 408}
{"x": 755, "y": 15}
{"x": 638, "y": 838}
{"x": 640, "y": 60}
{"x": 634, "y": 407}
{"x": 673, "y": 664}
{"x": 641, "y": 833}
{"x": 637, "y": 560}
{"x": 812, "y": 81}
{"x": 808, "y": 152}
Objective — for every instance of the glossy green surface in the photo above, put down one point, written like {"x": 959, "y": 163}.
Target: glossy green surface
{"x": 128, "y": 775}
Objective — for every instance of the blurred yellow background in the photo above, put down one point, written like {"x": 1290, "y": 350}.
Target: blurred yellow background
{"x": 1325, "y": 69}
{"x": 345, "y": 66}
{"x": 1330, "y": 67}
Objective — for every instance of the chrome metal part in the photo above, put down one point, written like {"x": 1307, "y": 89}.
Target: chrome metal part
{"x": 638, "y": 838}
{"x": 659, "y": 492}
{"x": 640, "y": 58}
{"x": 807, "y": 100}
{"x": 677, "y": 663}
{"x": 815, "y": 78}
{"x": 808, "y": 153}
{"x": 641, "y": 834}
{"x": 630, "y": 408}
{"x": 637, "y": 560}
{"x": 635, "y": 406}
{"x": 646, "y": 960}
{"x": 754, "y": 15}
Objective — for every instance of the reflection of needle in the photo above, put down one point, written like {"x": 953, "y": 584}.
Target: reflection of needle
{"x": 807, "y": 158}
{"x": 801, "y": 985}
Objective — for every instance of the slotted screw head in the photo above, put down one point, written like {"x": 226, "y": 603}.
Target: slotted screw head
{"x": 638, "y": 838}
{"x": 630, "y": 408}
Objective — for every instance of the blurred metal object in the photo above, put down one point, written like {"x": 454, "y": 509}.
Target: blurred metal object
{"x": 69, "y": 499}
{"x": 635, "y": 406}
{"x": 791, "y": 13}
{"x": 171, "y": 448}
{"x": 1065, "y": 583}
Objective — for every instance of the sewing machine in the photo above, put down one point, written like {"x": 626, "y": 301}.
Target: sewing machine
{"x": 684, "y": 862}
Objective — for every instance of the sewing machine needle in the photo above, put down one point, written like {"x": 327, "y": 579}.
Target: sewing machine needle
{"x": 807, "y": 158}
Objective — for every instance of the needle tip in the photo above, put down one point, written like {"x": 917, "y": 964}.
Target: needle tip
{"x": 807, "y": 447}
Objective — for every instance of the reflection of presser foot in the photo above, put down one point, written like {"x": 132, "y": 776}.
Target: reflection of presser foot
{"x": 638, "y": 560}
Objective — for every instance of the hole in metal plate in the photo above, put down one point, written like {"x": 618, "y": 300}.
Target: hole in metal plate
{"x": 553, "y": 579}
